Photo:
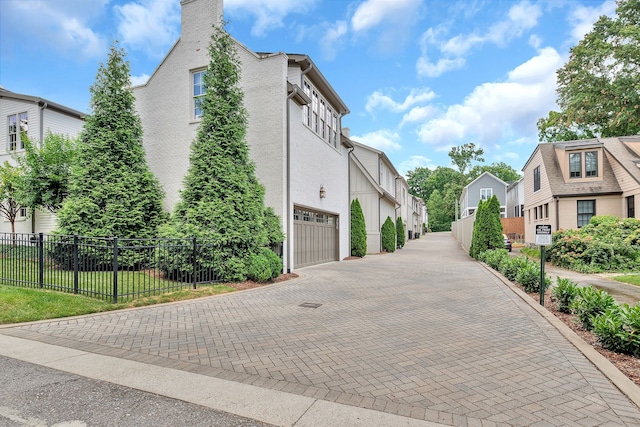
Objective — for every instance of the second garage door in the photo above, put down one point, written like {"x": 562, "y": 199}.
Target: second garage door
{"x": 314, "y": 237}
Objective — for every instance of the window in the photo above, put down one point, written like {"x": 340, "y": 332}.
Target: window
{"x": 23, "y": 212}
{"x": 536, "y": 178}
{"x": 516, "y": 211}
{"x": 17, "y": 124}
{"x": 320, "y": 116}
{"x": 323, "y": 116}
{"x": 314, "y": 109}
{"x": 575, "y": 165}
{"x": 306, "y": 111}
{"x": 591, "y": 163}
{"x": 586, "y": 209}
{"x": 486, "y": 193}
{"x": 199, "y": 89}
{"x": 631, "y": 207}
{"x": 521, "y": 210}
{"x": 535, "y": 211}
{"x": 546, "y": 210}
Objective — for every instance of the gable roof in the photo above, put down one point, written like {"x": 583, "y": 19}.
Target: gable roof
{"x": 4, "y": 93}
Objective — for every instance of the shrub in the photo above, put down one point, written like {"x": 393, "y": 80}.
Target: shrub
{"x": 529, "y": 278}
{"x": 618, "y": 329}
{"x": 258, "y": 268}
{"x": 275, "y": 262}
{"x": 564, "y": 292}
{"x": 494, "y": 257}
{"x": 358, "y": 230}
{"x": 487, "y": 228}
{"x": 509, "y": 266}
{"x": 400, "y": 235}
{"x": 388, "y": 235}
{"x": 589, "y": 303}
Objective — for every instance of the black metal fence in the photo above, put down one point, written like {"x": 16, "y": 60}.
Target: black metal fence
{"x": 108, "y": 268}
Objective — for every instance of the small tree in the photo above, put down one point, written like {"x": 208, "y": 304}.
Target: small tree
{"x": 9, "y": 193}
{"x": 112, "y": 191}
{"x": 46, "y": 171}
{"x": 487, "y": 228}
{"x": 400, "y": 235}
{"x": 388, "y": 232}
{"x": 358, "y": 230}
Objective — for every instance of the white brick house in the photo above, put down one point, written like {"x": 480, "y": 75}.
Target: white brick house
{"x": 293, "y": 134}
{"x": 35, "y": 116}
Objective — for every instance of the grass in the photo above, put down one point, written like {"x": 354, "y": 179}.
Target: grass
{"x": 632, "y": 279}
{"x": 24, "y": 305}
{"x": 531, "y": 252}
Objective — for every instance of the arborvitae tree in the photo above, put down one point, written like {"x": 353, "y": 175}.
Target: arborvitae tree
{"x": 112, "y": 191}
{"x": 222, "y": 200}
{"x": 400, "y": 235}
{"x": 487, "y": 228}
{"x": 494, "y": 239}
{"x": 388, "y": 235}
{"x": 358, "y": 230}
{"x": 476, "y": 247}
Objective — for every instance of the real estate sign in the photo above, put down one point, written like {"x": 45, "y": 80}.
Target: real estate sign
{"x": 543, "y": 234}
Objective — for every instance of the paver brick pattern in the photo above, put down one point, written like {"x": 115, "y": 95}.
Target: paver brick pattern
{"x": 425, "y": 332}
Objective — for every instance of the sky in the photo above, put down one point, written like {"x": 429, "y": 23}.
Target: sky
{"x": 418, "y": 76}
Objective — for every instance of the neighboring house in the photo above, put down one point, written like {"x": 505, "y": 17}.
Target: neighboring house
{"x": 566, "y": 183}
{"x": 373, "y": 183}
{"x": 515, "y": 199}
{"x": 35, "y": 116}
{"x": 483, "y": 188}
{"x": 418, "y": 215}
{"x": 405, "y": 210}
{"x": 293, "y": 134}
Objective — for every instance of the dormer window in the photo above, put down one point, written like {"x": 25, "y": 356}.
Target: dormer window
{"x": 575, "y": 165}
{"x": 583, "y": 169}
{"x": 591, "y": 163}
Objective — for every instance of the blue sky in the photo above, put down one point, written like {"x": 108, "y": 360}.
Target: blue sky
{"x": 419, "y": 76}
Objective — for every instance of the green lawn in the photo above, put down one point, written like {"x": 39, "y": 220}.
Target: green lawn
{"x": 25, "y": 304}
{"x": 633, "y": 279}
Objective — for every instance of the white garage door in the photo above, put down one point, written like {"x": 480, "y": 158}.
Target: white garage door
{"x": 314, "y": 237}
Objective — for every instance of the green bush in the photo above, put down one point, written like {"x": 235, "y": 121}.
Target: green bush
{"x": 400, "y": 235}
{"x": 388, "y": 235}
{"x": 358, "y": 230}
{"x": 487, "y": 228}
{"x": 275, "y": 262}
{"x": 509, "y": 266}
{"x": 618, "y": 329}
{"x": 529, "y": 278}
{"x": 494, "y": 257}
{"x": 258, "y": 268}
{"x": 589, "y": 303}
{"x": 565, "y": 292}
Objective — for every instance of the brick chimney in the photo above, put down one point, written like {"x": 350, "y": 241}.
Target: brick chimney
{"x": 198, "y": 16}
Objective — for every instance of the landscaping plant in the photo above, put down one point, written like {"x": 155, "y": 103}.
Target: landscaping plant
{"x": 618, "y": 329}
{"x": 565, "y": 292}
{"x": 589, "y": 303}
{"x": 388, "y": 232}
{"x": 509, "y": 266}
{"x": 400, "y": 235}
{"x": 529, "y": 277}
{"x": 358, "y": 230}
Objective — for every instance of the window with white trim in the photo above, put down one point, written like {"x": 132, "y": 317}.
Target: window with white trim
{"x": 575, "y": 165}
{"x": 306, "y": 111}
{"x": 586, "y": 210}
{"x": 486, "y": 193}
{"x": 16, "y": 125}
{"x": 199, "y": 89}
{"x": 591, "y": 163}
{"x": 320, "y": 117}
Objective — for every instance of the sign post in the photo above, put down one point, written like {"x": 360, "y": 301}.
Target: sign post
{"x": 543, "y": 238}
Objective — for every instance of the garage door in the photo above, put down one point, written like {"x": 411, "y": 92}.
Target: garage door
{"x": 314, "y": 237}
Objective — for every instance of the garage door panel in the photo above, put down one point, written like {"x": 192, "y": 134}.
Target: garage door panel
{"x": 315, "y": 237}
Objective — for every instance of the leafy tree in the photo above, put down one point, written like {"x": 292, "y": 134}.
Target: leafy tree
{"x": 9, "y": 193}
{"x": 400, "y": 235}
{"x": 499, "y": 169}
{"x": 487, "y": 228}
{"x": 422, "y": 181}
{"x": 418, "y": 181}
{"x": 463, "y": 155}
{"x": 388, "y": 232}
{"x": 439, "y": 220}
{"x": 599, "y": 86}
{"x": 222, "y": 201}
{"x": 46, "y": 171}
{"x": 358, "y": 230}
{"x": 112, "y": 192}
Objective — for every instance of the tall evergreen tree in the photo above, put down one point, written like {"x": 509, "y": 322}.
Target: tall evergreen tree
{"x": 112, "y": 191}
{"x": 358, "y": 230}
{"x": 222, "y": 200}
{"x": 388, "y": 234}
{"x": 400, "y": 235}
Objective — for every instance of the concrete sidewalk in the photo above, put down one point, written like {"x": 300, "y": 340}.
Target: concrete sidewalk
{"x": 424, "y": 336}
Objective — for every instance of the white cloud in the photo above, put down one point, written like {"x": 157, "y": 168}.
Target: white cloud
{"x": 383, "y": 140}
{"x": 332, "y": 39}
{"x": 414, "y": 162}
{"x": 418, "y": 114}
{"x": 582, "y": 18}
{"x": 269, "y": 14}
{"x": 430, "y": 69}
{"x": 139, "y": 80}
{"x": 417, "y": 96}
{"x": 151, "y": 25}
{"x": 63, "y": 26}
{"x": 498, "y": 109}
{"x": 372, "y": 13}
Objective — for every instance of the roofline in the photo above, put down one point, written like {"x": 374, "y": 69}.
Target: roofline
{"x": 586, "y": 195}
{"x": 379, "y": 152}
{"x": 42, "y": 102}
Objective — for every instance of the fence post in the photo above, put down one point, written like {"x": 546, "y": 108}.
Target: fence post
{"x": 115, "y": 270}
{"x": 76, "y": 267}
{"x": 194, "y": 254}
{"x": 41, "y": 259}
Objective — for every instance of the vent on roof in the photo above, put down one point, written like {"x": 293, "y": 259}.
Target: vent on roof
{"x": 310, "y": 305}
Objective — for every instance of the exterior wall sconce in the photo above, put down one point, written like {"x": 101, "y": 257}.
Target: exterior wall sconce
{"x": 323, "y": 193}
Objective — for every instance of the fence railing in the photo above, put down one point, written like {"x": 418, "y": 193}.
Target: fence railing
{"x": 107, "y": 268}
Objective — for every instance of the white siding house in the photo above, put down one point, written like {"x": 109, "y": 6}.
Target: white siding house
{"x": 294, "y": 120}
{"x": 35, "y": 116}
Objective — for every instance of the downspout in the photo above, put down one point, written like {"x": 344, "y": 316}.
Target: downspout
{"x": 349, "y": 191}
{"x": 557, "y": 199}
{"x": 289, "y": 207}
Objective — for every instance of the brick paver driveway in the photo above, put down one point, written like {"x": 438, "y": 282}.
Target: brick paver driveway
{"x": 425, "y": 332}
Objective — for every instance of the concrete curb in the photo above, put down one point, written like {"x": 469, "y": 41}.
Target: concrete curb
{"x": 620, "y": 380}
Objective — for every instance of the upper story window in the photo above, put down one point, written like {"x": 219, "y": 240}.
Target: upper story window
{"x": 320, "y": 116}
{"x": 199, "y": 89}
{"x": 575, "y": 165}
{"x": 486, "y": 193}
{"x": 17, "y": 124}
{"x": 536, "y": 178}
{"x": 591, "y": 163}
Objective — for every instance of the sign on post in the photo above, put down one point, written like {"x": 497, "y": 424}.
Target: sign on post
{"x": 543, "y": 235}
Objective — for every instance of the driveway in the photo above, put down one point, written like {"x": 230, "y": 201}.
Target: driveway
{"x": 424, "y": 333}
